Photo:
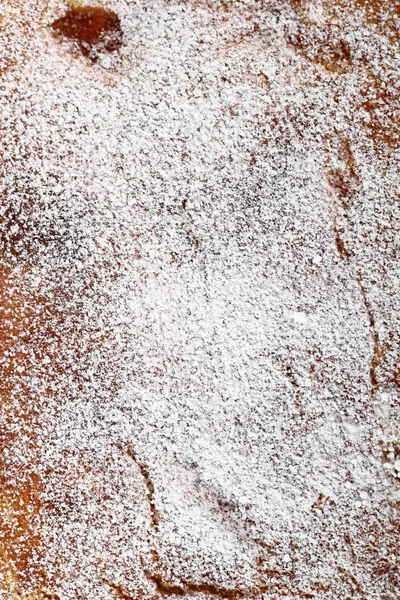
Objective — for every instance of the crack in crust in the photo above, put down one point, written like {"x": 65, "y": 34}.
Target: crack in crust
{"x": 339, "y": 243}
{"x": 324, "y": 42}
{"x": 377, "y": 353}
{"x": 154, "y": 513}
{"x": 344, "y": 183}
{"x": 182, "y": 588}
{"x": 119, "y": 590}
{"x": 269, "y": 580}
{"x": 186, "y": 588}
{"x": 163, "y": 588}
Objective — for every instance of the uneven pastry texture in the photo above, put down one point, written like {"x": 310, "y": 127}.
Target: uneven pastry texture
{"x": 199, "y": 345}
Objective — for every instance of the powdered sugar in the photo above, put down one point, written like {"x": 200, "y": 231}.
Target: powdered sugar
{"x": 201, "y": 232}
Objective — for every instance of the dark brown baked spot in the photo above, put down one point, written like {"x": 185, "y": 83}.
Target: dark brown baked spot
{"x": 93, "y": 29}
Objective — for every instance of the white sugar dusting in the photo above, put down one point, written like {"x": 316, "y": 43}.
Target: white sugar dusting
{"x": 199, "y": 236}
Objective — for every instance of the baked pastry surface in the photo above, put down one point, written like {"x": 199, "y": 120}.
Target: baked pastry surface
{"x": 199, "y": 344}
